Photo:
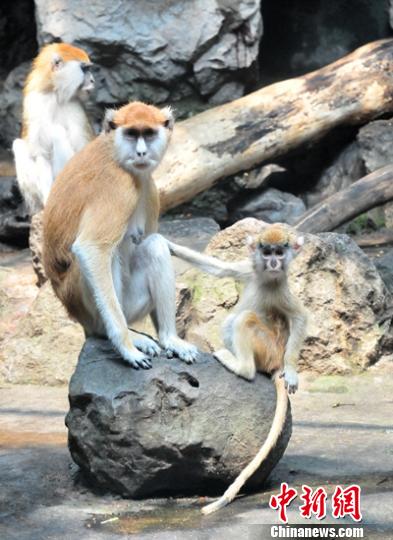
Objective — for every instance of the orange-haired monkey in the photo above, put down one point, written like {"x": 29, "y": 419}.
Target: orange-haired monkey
{"x": 55, "y": 125}
{"x": 100, "y": 252}
{"x": 266, "y": 330}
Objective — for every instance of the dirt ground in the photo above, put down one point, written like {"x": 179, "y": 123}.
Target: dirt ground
{"x": 342, "y": 434}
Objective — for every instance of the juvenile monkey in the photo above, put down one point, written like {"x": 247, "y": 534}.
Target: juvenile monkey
{"x": 266, "y": 330}
{"x": 55, "y": 124}
{"x": 100, "y": 252}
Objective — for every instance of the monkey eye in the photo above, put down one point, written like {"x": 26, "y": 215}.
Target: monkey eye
{"x": 266, "y": 251}
{"x": 85, "y": 67}
{"x": 149, "y": 133}
{"x": 279, "y": 251}
{"x": 132, "y": 133}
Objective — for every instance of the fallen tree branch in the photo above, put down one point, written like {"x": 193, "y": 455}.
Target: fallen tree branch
{"x": 269, "y": 123}
{"x": 372, "y": 190}
{"x": 380, "y": 238}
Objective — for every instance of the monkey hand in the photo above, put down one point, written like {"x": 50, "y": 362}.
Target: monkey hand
{"x": 147, "y": 345}
{"x": 291, "y": 379}
{"x": 132, "y": 356}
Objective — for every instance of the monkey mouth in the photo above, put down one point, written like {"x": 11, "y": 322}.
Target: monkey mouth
{"x": 141, "y": 164}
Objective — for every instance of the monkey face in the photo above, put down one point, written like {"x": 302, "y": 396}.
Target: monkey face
{"x": 142, "y": 134}
{"x": 272, "y": 260}
{"x": 72, "y": 79}
{"x": 141, "y": 149}
{"x": 273, "y": 250}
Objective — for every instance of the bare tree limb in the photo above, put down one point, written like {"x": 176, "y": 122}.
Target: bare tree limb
{"x": 372, "y": 190}
{"x": 274, "y": 120}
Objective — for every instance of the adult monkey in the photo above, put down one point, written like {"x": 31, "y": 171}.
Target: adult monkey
{"x": 101, "y": 253}
{"x": 266, "y": 330}
{"x": 55, "y": 125}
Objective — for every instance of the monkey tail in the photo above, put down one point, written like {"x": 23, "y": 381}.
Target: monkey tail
{"x": 274, "y": 433}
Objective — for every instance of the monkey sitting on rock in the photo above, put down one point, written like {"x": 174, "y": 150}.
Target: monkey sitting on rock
{"x": 101, "y": 252}
{"x": 266, "y": 330}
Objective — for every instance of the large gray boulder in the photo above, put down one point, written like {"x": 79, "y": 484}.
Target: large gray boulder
{"x": 161, "y": 51}
{"x": 175, "y": 428}
{"x": 272, "y": 205}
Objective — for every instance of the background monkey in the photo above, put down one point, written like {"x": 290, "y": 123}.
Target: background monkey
{"x": 266, "y": 330}
{"x": 103, "y": 261}
{"x": 55, "y": 124}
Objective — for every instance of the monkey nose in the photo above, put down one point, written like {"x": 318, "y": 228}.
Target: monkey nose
{"x": 273, "y": 263}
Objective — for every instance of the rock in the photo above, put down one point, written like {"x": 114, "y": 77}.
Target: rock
{"x": 384, "y": 265}
{"x": 163, "y": 52}
{"x": 371, "y": 151}
{"x": 11, "y": 104}
{"x": 298, "y": 39}
{"x": 345, "y": 169}
{"x": 35, "y": 244}
{"x": 18, "y": 34}
{"x": 45, "y": 345}
{"x": 17, "y": 292}
{"x": 173, "y": 429}
{"x": 14, "y": 219}
{"x": 271, "y": 206}
{"x": 194, "y": 233}
{"x": 335, "y": 280}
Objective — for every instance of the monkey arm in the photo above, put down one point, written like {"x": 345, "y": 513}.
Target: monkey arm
{"x": 241, "y": 270}
{"x": 297, "y": 334}
{"x": 95, "y": 263}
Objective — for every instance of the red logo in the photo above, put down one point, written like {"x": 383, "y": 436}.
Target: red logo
{"x": 345, "y": 502}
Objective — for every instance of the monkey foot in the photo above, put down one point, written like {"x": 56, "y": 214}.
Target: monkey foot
{"x": 175, "y": 346}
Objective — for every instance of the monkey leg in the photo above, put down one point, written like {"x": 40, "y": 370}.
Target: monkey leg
{"x": 152, "y": 290}
{"x": 239, "y": 355}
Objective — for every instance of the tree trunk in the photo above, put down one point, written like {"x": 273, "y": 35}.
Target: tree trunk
{"x": 274, "y": 120}
{"x": 372, "y": 190}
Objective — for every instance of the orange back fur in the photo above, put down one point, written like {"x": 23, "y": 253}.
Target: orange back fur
{"x": 268, "y": 340}
{"x": 93, "y": 198}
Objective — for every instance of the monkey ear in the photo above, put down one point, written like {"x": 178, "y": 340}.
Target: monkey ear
{"x": 298, "y": 244}
{"x": 170, "y": 120}
{"x": 57, "y": 62}
{"x": 251, "y": 243}
{"x": 108, "y": 123}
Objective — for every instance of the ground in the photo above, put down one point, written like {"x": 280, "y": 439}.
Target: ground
{"x": 342, "y": 434}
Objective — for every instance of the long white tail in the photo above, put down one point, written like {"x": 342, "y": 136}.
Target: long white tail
{"x": 34, "y": 176}
{"x": 271, "y": 440}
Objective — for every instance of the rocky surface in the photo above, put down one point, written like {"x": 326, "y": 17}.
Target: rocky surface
{"x": 175, "y": 428}
{"x": 44, "y": 345}
{"x": 35, "y": 245}
{"x": 371, "y": 150}
{"x": 337, "y": 283}
{"x": 14, "y": 219}
{"x": 161, "y": 52}
{"x": 384, "y": 265}
{"x": 271, "y": 206}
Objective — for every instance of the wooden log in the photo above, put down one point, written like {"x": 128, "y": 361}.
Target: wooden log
{"x": 372, "y": 190}
{"x": 274, "y": 120}
{"x": 379, "y": 238}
